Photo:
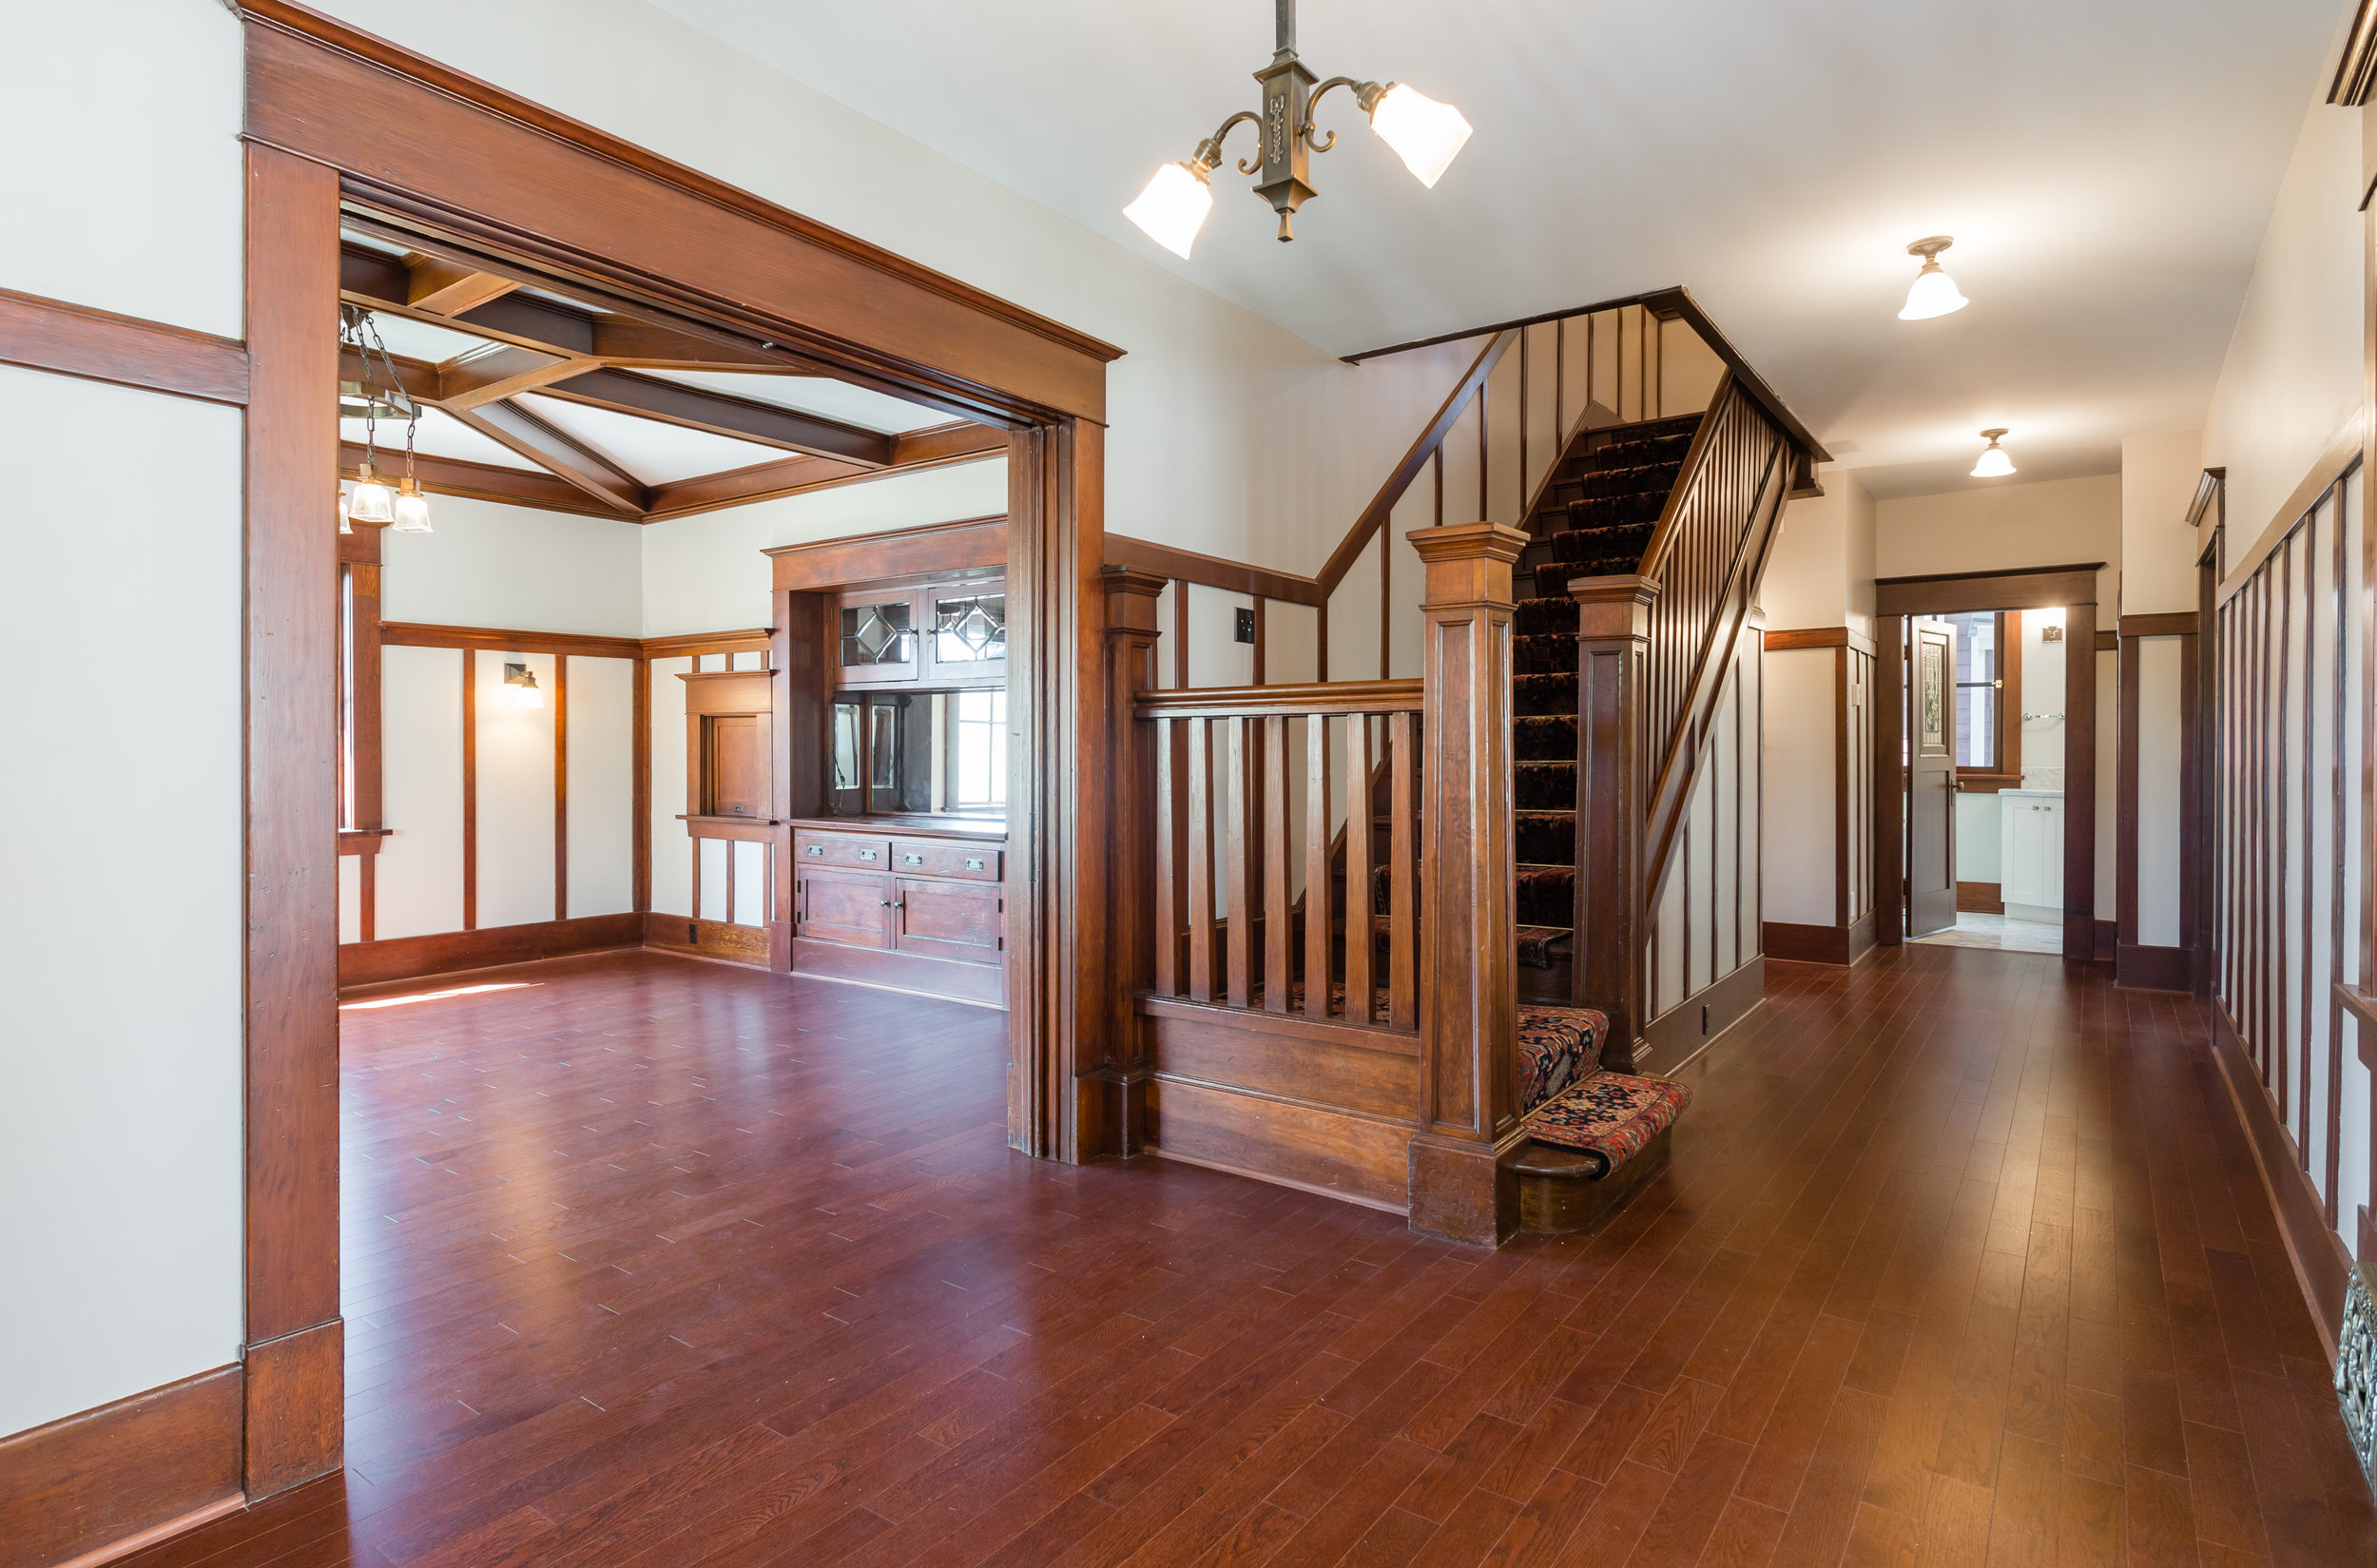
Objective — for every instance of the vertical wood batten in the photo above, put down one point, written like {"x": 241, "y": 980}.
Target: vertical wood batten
{"x": 1276, "y": 917}
{"x": 1317, "y": 911}
{"x": 294, "y": 1335}
{"x": 1239, "y": 852}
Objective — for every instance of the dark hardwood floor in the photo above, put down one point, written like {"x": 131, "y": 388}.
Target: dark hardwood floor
{"x": 651, "y": 1262}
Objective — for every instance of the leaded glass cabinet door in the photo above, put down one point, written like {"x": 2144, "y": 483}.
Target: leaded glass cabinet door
{"x": 875, "y": 637}
{"x": 965, "y": 633}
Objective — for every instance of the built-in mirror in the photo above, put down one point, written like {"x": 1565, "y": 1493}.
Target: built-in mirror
{"x": 921, "y": 753}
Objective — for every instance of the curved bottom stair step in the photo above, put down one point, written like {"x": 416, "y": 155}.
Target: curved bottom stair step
{"x": 1561, "y": 1191}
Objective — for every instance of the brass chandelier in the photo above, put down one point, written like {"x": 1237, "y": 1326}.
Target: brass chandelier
{"x": 1424, "y": 133}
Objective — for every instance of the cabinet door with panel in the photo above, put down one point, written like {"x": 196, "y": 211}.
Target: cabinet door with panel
{"x": 850, "y": 907}
{"x": 941, "y": 920}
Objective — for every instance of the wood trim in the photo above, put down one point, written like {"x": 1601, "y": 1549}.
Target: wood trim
{"x": 1820, "y": 636}
{"x": 99, "y": 345}
{"x": 968, "y": 544}
{"x": 333, "y": 94}
{"x": 1787, "y": 942}
{"x": 2322, "y": 1267}
{"x": 640, "y": 789}
{"x": 1980, "y": 898}
{"x": 491, "y": 482}
{"x": 290, "y": 961}
{"x": 2080, "y": 796}
{"x": 2356, "y": 67}
{"x": 694, "y": 644}
{"x": 2208, "y": 494}
{"x": 1211, "y": 571}
{"x": 99, "y": 1484}
{"x": 943, "y": 445}
{"x": 561, "y": 787}
{"x": 1678, "y": 1035}
{"x": 498, "y": 640}
{"x": 1954, "y": 593}
{"x": 447, "y": 952}
{"x": 2125, "y": 789}
{"x": 2177, "y": 623}
{"x": 2342, "y": 454}
{"x": 2138, "y": 968}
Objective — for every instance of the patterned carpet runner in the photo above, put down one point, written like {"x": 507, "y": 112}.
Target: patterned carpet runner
{"x": 1567, "y": 1100}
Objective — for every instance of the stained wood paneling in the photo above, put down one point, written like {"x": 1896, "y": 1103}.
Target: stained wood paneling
{"x": 159, "y": 1460}
{"x": 102, "y": 346}
{"x": 444, "y": 952}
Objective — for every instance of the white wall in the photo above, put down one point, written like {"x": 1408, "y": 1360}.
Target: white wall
{"x": 1800, "y": 737}
{"x": 602, "y": 782}
{"x": 120, "y": 834}
{"x": 419, "y": 878}
{"x": 129, "y": 1274}
{"x": 1822, "y": 571}
{"x": 517, "y": 568}
{"x": 2292, "y": 378}
{"x": 2159, "y": 474}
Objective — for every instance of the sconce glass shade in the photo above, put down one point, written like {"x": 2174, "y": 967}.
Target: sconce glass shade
{"x": 371, "y": 500}
{"x": 521, "y": 681}
{"x": 1172, "y": 208}
{"x": 345, "y": 524}
{"x": 1426, "y": 135}
{"x": 1934, "y": 294}
{"x": 1994, "y": 463}
{"x": 412, "y": 510}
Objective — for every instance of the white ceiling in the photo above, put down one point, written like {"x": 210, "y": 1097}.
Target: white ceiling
{"x": 818, "y": 395}
{"x": 2107, "y": 167}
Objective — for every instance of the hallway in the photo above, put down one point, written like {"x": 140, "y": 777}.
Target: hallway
{"x": 655, "y": 1262}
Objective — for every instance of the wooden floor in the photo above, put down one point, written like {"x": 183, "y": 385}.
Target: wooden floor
{"x": 1960, "y": 1260}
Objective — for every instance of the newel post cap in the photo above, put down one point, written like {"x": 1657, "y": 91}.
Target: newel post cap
{"x": 1469, "y": 542}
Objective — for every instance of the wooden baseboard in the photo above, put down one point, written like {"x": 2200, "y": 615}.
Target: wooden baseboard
{"x": 2108, "y": 938}
{"x": 1980, "y": 898}
{"x": 446, "y": 952}
{"x": 744, "y": 944}
{"x": 2322, "y": 1267}
{"x": 982, "y": 984}
{"x": 1835, "y": 944}
{"x": 1678, "y": 1035}
{"x": 296, "y": 1407}
{"x": 2140, "y": 968}
{"x": 104, "y": 1483}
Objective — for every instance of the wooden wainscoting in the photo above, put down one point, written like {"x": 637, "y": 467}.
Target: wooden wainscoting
{"x": 1328, "y": 1107}
{"x": 108, "y": 1481}
{"x": 448, "y": 952}
{"x": 1681, "y": 1033}
{"x": 2322, "y": 1266}
{"x": 745, "y": 945}
{"x": 1836, "y": 944}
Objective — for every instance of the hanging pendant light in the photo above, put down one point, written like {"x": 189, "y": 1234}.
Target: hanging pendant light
{"x": 346, "y": 524}
{"x": 371, "y": 500}
{"x": 412, "y": 509}
{"x": 1424, "y": 133}
{"x": 1994, "y": 463}
{"x": 1934, "y": 293}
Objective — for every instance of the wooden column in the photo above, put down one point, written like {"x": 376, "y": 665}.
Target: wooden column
{"x": 1119, "y": 1117}
{"x": 1613, "y": 646}
{"x": 801, "y": 742}
{"x": 1889, "y": 778}
{"x": 1462, "y": 1185}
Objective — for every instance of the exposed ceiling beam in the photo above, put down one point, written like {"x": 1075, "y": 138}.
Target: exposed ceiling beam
{"x": 694, "y": 408}
{"x": 491, "y": 377}
{"x": 951, "y": 443}
{"x": 444, "y": 287}
{"x": 488, "y": 482}
{"x": 560, "y": 452}
{"x": 941, "y": 447}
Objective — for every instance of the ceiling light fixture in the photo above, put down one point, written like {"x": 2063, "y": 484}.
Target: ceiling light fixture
{"x": 1934, "y": 293}
{"x": 523, "y": 683}
{"x": 1424, "y": 133}
{"x": 1994, "y": 463}
{"x": 375, "y": 502}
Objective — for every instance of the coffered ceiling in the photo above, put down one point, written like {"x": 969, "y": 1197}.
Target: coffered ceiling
{"x": 2107, "y": 167}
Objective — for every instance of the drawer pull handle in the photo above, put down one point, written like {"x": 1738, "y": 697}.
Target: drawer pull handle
{"x": 912, "y": 860}
{"x": 866, "y": 853}
{"x": 814, "y": 852}
{"x": 886, "y": 903}
{"x": 973, "y": 862}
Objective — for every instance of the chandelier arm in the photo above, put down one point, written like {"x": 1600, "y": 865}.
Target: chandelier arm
{"x": 1208, "y": 153}
{"x": 1312, "y": 106}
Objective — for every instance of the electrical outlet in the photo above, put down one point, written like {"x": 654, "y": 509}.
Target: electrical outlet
{"x": 1245, "y": 626}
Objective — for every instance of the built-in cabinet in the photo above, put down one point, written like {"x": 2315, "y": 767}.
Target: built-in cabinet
{"x": 2031, "y": 843}
{"x": 926, "y": 912}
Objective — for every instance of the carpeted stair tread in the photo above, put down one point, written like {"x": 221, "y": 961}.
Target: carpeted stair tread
{"x": 1539, "y": 695}
{"x": 1646, "y": 479}
{"x": 1593, "y": 544}
{"x": 1547, "y": 894}
{"x": 1559, "y": 1048}
{"x": 1541, "y": 946}
{"x": 1643, "y": 449}
{"x": 1545, "y": 786}
{"x": 1607, "y": 1116}
{"x": 1544, "y": 738}
{"x": 1546, "y": 838}
{"x": 1546, "y": 618}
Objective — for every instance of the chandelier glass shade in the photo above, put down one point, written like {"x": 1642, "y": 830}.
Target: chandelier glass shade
{"x": 1994, "y": 463}
{"x": 1427, "y": 135}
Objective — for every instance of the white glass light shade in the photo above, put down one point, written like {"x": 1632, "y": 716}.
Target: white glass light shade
{"x": 1172, "y": 208}
{"x": 520, "y": 682}
{"x": 345, "y": 524}
{"x": 372, "y": 501}
{"x": 412, "y": 510}
{"x": 1934, "y": 294}
{"x": 1424, "y": 133}
{"x": 526, "y": 696}
{"x": 1994, "y": 463}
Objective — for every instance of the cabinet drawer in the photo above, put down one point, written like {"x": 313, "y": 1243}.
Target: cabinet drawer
{"x": 849, "y": 907}
{"x": 941, "y": 857}
{"x": 840, "y": 849}
{"x": 949, "y": 921}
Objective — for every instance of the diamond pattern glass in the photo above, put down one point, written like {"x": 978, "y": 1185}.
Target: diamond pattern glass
{"x": 876, "y": 634}
{"x": 970, "y": 630}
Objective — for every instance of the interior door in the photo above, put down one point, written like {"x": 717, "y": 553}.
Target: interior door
{"x": 1930, "y": 778}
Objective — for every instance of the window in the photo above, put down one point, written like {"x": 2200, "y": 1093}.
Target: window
{"x": 876, "y": 634}
{"x": 1980, "y": 689}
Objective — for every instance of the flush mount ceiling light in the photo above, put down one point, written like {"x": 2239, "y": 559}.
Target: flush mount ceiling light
{"x": 1424, "y": 133}
{"x": 1934, "y": 293}
{"x": 522, "y": 680}
{"x": 1994, "y": 463}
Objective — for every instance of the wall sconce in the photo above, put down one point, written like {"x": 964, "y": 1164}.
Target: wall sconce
{"x": 1424, "y": 133}
{"x": 522, "y": 680}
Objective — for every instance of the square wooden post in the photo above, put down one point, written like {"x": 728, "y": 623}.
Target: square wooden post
{"x": 1461, "y": 1184}
{"x": 1120, "y": 1089}
{"x": 1612, "y": 645}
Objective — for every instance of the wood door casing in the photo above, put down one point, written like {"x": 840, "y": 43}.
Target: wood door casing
{"x": 1930, "y": 778}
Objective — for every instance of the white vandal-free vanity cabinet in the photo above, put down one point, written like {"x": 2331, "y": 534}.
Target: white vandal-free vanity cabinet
{"x": 2032, "y": 843}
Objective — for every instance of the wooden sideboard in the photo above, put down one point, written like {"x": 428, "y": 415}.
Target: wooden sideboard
{"x": 900, "y": 902}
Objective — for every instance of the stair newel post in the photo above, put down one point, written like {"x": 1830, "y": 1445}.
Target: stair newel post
{"x": 1462, "y": 1183}
{"x": 1612, "y": 647}
{"x": 1116, "y": 1104}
